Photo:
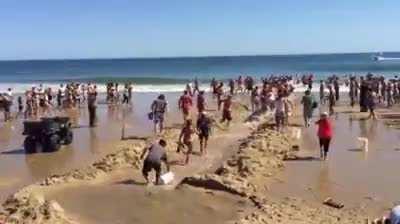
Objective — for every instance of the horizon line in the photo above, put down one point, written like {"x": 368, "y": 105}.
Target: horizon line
{"x": 204, "y": 56}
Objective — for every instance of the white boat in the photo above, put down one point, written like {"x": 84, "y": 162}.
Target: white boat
{"x": 382, "y": 58}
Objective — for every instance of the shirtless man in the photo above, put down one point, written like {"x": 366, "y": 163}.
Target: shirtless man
{"x": 186, "y": 138}
{"x": 219, "y": 92}
{"x": 201, "y": 102}
{"x": 203, "y": 129}
{"x": 185, "y": 104}
{"x": 227, "y": 110}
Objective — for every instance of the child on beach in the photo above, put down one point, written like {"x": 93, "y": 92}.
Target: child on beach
{"x": 325, "y": 133}
{"x": 186, "y": 137}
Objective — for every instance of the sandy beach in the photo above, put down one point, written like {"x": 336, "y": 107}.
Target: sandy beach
{"x": 245, "y": 178}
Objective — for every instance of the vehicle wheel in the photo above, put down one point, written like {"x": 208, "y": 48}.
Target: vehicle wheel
{"x": 69, "y": 137}
{"x": 51, "y": 143}
{"x": 30, "y": 145}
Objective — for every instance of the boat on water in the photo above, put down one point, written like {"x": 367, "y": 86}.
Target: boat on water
{"x": 381, "y": 58}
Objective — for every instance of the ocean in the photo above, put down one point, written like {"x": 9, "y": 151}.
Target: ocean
{"x": 171, "y": 74}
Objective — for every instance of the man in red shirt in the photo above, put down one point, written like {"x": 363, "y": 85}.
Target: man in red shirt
{"x": 325, "y": 133}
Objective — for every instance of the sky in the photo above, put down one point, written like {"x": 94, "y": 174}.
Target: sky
{"x": 59, "y": 29}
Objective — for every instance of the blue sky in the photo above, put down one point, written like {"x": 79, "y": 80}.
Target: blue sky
{"x": 44, "y": 29}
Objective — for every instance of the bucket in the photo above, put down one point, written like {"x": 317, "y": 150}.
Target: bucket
{"x": 167, "y": 178}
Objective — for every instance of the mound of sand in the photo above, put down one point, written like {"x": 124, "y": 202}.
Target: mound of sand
{"x": 28, "y": 207}
{"x": 127, "y": 156}
{"x": 298, "y": 211}
{"x": 259, "y": 156}
{"x": 247, "y": 173}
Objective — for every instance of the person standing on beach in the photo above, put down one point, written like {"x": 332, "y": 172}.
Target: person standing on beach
{"x": 352, "y": 91}
{"x": 371, "y": 103}
{"x": 389, "y": 95}
{"x": 336, "y": 86}
{"x": 308, "y": 109}
{"x": 255, "y": 100}
{"x": 125, "y": 94}
{"x": 60, "y": 95}
{"x": 280, "y": 112}
{"x": 201, "y": 102}
{"x": 189, "y": 89}
{"x": 8, "y": 101}
{"x": 325, "y": 133}
{"x": 196, "y": 86}
{"x": 219, "y": 92}
{"x": 240, "y": 84}
{"x": 203, "y": 129}
{"x": 92, "y": 104}
{"x": 185, "y": 104}
{"x": 227, "y": 110}
{"x": 213, "y": 86}
{"x": 20, "y": 106}
{"x": 156, "y": 154}
{"x": 331, "y": 100}
{"x": 186, "y": 138}
{"x": 322, "y": 92}
{"x": 231, "y": 86}
{"x": 158, "y": 109}
{"x": 130, "y": 88}
{"x": 363, "y": 95}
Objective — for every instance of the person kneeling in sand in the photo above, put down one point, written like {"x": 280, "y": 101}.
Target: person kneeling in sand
{"x": 156, "y": 154}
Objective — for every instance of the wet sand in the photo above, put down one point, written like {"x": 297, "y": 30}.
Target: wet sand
{"x": 359, "y": 179}
{"x": 127, "y": 203}
{"x": 190, "y": 204}
{"x": 18, "y": 169}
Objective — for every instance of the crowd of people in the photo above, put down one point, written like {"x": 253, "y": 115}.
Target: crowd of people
{"x": 271, "y": 94}
{"x": 368, "y": 91}
{"x": 40, "y": 101}
{"x": 268, "y": 94}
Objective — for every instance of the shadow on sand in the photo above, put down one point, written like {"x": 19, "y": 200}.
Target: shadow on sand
{"x": 302, "y": 158}
{"x": 14, "y": 152}
{"x": 355, "y": 150}
{"x": 131, "y": 182}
